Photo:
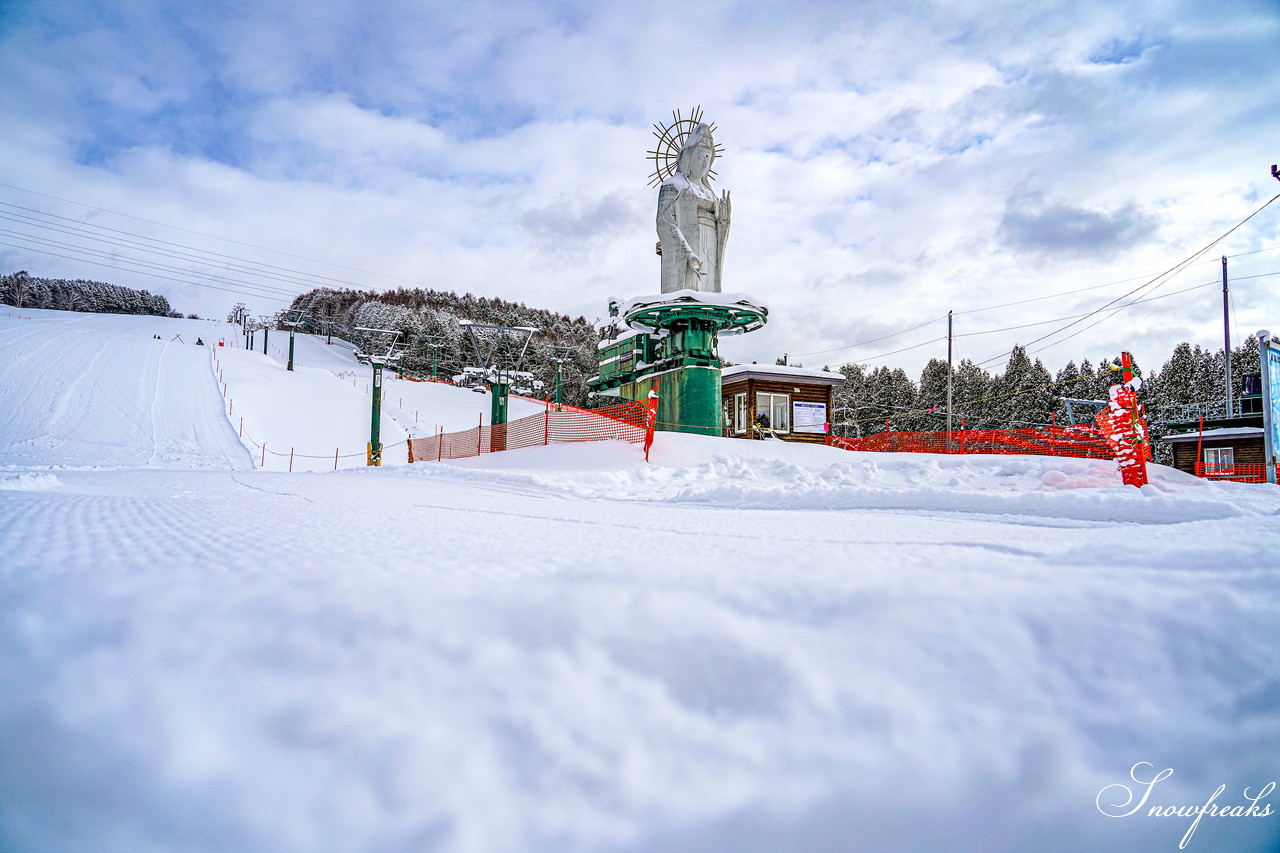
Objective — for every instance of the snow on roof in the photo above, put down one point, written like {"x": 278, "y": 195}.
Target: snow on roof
{"x": 619, "y": 338}
{"x": 742, "y": 371}
{"x": 723, "y": 300}
{"x": 1225, "y": 432}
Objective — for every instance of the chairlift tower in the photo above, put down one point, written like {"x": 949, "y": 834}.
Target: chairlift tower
{"x": 265, "y": 322}
{"x": 435, "y": 342}
{"x": 292, "y": 318}
{"x": 497, "y": 360}
{"x": 560, "y": 355}
{"x": 379, "y": 357}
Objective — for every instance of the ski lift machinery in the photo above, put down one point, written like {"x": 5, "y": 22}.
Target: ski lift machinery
{"x": 377, "y": 359}
{"x": 499, "y": 351}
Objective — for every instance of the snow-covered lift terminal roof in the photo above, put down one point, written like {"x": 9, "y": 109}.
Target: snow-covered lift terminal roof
{"x": 780, "y": 373}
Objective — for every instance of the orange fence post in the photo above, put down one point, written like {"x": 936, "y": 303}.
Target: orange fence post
{"x": 335, "y": 459}
{"x": 290, "y": 460}
{"x": 651, "y": 418}
{"x": 264, "y": 455}
{"x": 1199, "y": 448}
{"x": 479, "y": 433}
{"x": 546, "y": 426}
{"x": 440, "y": 446}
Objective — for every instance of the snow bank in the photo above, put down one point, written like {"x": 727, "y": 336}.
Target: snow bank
{"x": 734, "y": 474}
{"x": 744, "y": 646}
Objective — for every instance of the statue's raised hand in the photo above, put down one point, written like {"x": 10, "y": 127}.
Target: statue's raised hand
{"x": 725, "y": 207}
{"x": 695, "y": 263}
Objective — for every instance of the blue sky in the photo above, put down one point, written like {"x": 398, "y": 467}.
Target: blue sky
{"x": 888, "y": 161}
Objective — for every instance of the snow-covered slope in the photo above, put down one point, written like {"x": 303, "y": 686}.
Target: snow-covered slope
{"x": 100, "y": 390}
{"x": 744, "y": 646}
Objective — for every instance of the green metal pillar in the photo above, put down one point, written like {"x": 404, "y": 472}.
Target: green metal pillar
{"x": 691, "y": 396}
{"x": 688, "y": 401}
{"x": 558, "y": 365}
{"x": 375, "y": 429}
{"x": 289, "y": 366}
{"x": 264, "y": 340}
{"x": 500, "y": 388}
{"x": 434, "y": 352}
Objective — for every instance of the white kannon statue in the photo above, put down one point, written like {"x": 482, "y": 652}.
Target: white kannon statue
{"x": 693, "y": 224}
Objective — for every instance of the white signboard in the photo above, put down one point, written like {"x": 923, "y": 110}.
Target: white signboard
{"x": 1271, "y": 402}
{"x": 809, "y": 417}
{"x": 1272, "y": 355}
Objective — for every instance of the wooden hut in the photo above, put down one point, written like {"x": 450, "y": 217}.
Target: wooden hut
{"x": 790, "y": 403}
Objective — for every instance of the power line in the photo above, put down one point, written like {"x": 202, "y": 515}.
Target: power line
{"x": 269, "y": 289}
{"x": 215, "y": 236}
{"x": 1054, "y": 319}
{"x": 873, "y": 340}
{"x": 78, "y": 229}
{"x": 1017, "y": 302}
{"x": 153, "y": 275}
{"x": 1155, "y": 283}
{"x": 1077, "y": 316}
{"x": 266, "y": 290}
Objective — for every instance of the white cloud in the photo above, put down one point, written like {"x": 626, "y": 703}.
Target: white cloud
{"x": 888, "y": 161}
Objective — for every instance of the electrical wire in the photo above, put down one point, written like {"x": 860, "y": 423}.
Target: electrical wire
{"x": 1077, "y": 316}
{"x": 873, "y": 340}
{"x": 1155, "y": 283}
{"x": 266, "y": 290}
{"x": 263, "y": 290}
{"x": 1023, "y": 302}
{"x": 236, "y": 291}
{"x": 255, "y": 267}
{"x": 291, "y": 276}
{"x": 215, "y": 236}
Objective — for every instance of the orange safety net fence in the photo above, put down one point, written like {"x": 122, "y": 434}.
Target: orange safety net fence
{"x": 1239, "y": 472}
{"x": 622, "y": 421}
{"x": 1081, "y": 440}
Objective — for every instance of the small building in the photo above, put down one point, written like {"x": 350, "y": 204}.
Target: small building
{"x": 790, "y": 403}
{"x": 1225, "y": 450}
{"x": 1229, "y": 447}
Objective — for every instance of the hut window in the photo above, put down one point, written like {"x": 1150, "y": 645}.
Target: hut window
{"x": 773, "y": 411}
{"x": 1220, "y": 460}
{"x": 740, "y": 412}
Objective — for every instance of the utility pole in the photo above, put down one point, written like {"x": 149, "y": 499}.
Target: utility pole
{"x": 948, "y": 379}
{"x": 1226, "y": 332}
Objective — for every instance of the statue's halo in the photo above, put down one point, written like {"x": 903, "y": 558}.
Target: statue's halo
{"x": 671, "y": 138}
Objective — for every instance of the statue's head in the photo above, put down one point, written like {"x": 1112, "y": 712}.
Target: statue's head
{"x": 698, "y": 153}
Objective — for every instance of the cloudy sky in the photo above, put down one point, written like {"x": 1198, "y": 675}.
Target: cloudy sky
{"x": 889, "y": 161}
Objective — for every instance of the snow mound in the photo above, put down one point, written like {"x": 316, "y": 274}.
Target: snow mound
{"x": 27, "y": 482}
{"x": 776, "y": 475}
